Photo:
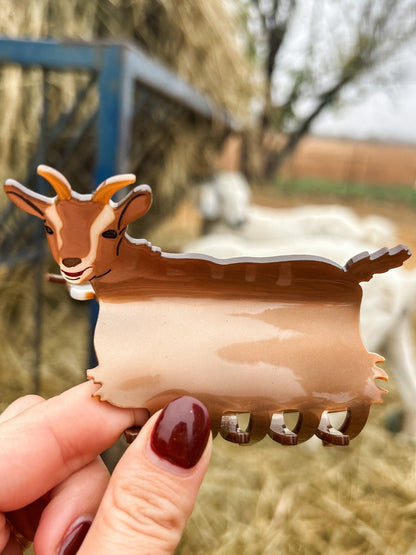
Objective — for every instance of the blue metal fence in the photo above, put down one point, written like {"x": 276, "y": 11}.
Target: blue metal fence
{"x": 119, "y": 68}
{"x": 116, "y": 70}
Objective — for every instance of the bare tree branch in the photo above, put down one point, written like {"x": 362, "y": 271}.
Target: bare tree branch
{"x": 375, "y": 32}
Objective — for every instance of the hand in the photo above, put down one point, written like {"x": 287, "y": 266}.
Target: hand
{"x": 56, "y": 491}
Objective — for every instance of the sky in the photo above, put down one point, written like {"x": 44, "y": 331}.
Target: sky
{"x": 385, "y": 114}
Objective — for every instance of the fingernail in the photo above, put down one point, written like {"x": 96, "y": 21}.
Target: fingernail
{"x": 74, "y": 537}
{"x": 181, "y": 432}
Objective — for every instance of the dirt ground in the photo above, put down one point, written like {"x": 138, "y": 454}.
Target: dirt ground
{"x": 353, "y": 161}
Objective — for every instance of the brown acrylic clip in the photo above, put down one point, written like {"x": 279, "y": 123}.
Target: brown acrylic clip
{"x": 264, "y": 336}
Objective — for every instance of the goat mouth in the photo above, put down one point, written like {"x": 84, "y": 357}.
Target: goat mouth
{"x": 74, "y": 275}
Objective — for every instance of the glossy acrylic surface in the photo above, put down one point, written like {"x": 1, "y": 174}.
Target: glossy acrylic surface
{"x": 258, "y": 336}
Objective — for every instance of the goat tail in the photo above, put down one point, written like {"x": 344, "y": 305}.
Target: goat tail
{"x": 364, "y": 265}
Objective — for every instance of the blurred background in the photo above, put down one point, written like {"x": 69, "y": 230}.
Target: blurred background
{"x": 263, "y": 127}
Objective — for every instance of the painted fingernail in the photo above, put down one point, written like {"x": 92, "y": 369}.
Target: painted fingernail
{"x": 74, "y": 537}
{"x": 181, "y": 432}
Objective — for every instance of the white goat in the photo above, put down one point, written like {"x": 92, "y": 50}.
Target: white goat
{"x": 335, "y": 233}
{"x": 225, "y": 205}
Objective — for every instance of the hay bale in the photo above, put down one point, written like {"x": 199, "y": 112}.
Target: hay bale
{"x": 170, "y": 145}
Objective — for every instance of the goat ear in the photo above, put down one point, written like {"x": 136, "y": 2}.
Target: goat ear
{"x": 27, "y": 200}
{"x": 134, "y": 205}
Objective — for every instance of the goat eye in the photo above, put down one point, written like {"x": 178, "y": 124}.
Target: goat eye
{"x": 110, "y": 234}
{"x": 48, "y": 230}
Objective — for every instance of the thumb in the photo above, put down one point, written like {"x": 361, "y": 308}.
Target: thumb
{"x": 154, "y": 486}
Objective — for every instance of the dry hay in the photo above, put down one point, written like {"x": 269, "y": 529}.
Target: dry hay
{"x": 64, "y": 329}
{"x": 198, "y": 40}
{"x": 269, "y": 499}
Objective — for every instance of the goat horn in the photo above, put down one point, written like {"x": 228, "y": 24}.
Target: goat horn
{"x": 107, "y": 188}
{"x": 57, "y": 180}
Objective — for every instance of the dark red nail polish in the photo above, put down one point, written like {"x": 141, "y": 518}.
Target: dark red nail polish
{"x": 181, "y": 432}
{"x": 73, "y": 540}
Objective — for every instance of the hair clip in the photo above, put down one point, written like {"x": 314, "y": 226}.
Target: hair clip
{"x": 264, "y": 336}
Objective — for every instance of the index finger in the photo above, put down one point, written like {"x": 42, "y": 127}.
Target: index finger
{"x": 44, "y": 444}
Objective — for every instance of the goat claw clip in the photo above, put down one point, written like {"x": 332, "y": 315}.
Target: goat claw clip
{"x": 263, "y": 336}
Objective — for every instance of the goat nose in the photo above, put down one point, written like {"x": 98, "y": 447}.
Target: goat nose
{"x": 71, "y": 262}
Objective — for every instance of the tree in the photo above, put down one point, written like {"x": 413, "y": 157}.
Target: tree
{"x": 311, "y": 52}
